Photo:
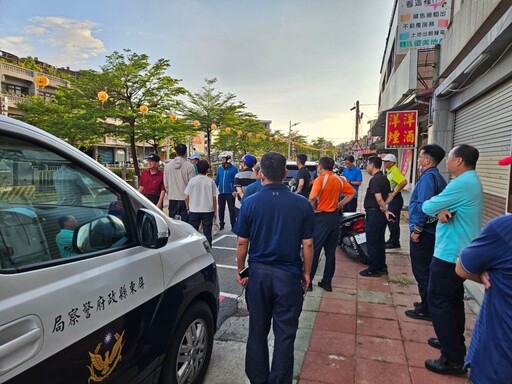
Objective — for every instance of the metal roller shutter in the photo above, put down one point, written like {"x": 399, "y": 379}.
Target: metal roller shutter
{"x": 486, "y": 124}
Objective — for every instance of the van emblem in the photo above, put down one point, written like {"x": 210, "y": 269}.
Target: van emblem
{"x": 102, "y": 366}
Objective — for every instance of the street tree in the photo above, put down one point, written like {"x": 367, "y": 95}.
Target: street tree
{"x": 131, "y": 81}
{"x": 214, "y": 110}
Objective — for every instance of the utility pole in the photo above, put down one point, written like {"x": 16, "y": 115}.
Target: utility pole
{"x": 358, "y": 117}
{"x": 290, "y": 138}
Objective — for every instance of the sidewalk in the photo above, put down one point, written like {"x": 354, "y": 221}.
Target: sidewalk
{"x": 359, "y": 333}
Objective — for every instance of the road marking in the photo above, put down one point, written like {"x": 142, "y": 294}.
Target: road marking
{"x": 229, "y": 295}
{"x": 222, "y": 237}
{"x": 219, "y": 238}
{"x": 228, "y": 248}
{"x": 226, "y": 266}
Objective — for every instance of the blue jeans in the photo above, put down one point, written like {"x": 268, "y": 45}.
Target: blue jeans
{"x": 395, "y": 206}
{"x": 197, "y": 218}
{"x": 375, "y": 239}
{"x": 325, "y": 235}
{"x": 421, "y": 258}
{"x": 273, "y": 296}
{"x": 446, "y": 304}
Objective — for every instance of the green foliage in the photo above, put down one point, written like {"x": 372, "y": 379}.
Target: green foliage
{"x": 76, "y": 115}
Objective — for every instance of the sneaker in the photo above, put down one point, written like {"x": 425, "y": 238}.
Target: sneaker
{"x": 392, "y": 246}
{"x": 221, "y": 227}
{"x": 368, "y": 273}
{"x": 310, "y": 287}
{"x": 326, "y": 286}
{"x": 445, "y": 367}
{"x": 417, "y": 314}
{"x": 384, "y": 272}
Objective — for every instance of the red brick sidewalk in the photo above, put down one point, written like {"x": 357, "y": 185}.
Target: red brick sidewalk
{"x": 361, "y": 335}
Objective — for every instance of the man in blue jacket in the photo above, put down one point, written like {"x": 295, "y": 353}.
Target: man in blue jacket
{"x": 225, "y": 181}
{"x": 459, "y": 211}
{"x": 423, "y": 227}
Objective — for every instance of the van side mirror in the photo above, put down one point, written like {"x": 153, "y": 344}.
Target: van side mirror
{"x": 153, "y": 231}
{"x": 99, "y": 234}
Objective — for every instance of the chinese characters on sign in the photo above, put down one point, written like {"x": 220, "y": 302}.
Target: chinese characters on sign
{"x": 74, "y": 315}
{"x": 421, "y": 23}
{"x": 401, "y": 129}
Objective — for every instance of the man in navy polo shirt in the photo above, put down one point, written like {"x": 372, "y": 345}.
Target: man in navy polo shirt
{"x": 276, "y": 222}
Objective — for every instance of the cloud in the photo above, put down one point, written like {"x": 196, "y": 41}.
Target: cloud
{"x": 17, "y": 45}
{"x": 72, "y": 40}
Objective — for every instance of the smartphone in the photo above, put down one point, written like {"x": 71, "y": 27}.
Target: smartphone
{"x": 244, "y": 273}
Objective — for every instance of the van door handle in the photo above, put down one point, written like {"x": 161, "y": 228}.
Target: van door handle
{"x": 19, "y": 341}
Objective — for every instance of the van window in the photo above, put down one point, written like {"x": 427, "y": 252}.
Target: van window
{"x": 44, "y": 198}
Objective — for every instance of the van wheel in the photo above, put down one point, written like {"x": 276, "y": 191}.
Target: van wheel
{"x": 189, "y": 354}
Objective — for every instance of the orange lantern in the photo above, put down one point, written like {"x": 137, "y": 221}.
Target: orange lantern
{"x": 195, "y": 123}
{"x": 249, "y": 134}
{"x": 239, "y": 133}
{"x": 102, "y": 96}
{"x": 143, "y": 109}
{"x": 172, "y": 117}
{"x": 42, "y": 81}
{"x": 213, "y": 127}
{"x": 228, "y": 130}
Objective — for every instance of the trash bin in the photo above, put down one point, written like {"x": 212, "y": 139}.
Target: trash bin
{"x": 135, "y": 182}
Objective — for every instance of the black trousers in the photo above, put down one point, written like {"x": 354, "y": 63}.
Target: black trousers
{"x": 351, "y": 205}
{"x": 446, "y": 304}
{"x": 230, "y": 200}
{"x": 205, "y": 218}
{"x": 421, "y": 258}
{"x": 325, "y": 235}
{"x": 395, "y": 207}
{"x": 153, "y": 198}
{"x": 178, "y": 208}
{"x": 375, "y": 239}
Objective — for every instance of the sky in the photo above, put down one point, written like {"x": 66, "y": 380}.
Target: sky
{"x": 304, "y": 61}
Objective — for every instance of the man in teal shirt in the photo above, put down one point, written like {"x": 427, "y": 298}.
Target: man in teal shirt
{"x": 64, "y": 238}
{"x": 459, "y": 210}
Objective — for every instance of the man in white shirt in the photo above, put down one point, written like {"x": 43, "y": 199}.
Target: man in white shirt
{"x": 201, "y": 200}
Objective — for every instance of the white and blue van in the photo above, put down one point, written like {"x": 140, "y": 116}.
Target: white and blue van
{"x": 97, "y": 285}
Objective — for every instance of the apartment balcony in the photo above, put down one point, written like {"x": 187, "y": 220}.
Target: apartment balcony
{"x": 29, "y": 75}
{"x": 11, "y": 100}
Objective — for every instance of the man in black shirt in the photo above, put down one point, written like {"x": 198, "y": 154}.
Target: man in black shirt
{"x": 377, "y": 216}
{"x": 303, "y": 176}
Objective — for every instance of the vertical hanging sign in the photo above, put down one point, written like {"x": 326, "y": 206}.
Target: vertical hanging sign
{"x": 401, "y": 127}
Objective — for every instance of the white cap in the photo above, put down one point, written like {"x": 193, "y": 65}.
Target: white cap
{"x": 389, "y": 157}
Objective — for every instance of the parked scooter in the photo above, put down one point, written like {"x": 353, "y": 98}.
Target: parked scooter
{"x": 352, "y": 238}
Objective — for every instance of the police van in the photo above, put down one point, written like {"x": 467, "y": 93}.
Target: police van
{"x": 97, "y": 285}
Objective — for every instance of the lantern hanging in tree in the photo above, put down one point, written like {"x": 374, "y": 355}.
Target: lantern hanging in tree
{"x": 143, "y": 109}
{"x": 213, "y": 127}
{"x": 195, "y": 123}
{"x": 228, "y": 130}
{"x": 42, "y": 81}
{"x": 102, "y": 96}
{"x": 249, "y": 134}
{"x": 239, "y": 133}
{"x": 172, "y": 117}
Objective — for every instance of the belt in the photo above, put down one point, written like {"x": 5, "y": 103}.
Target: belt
{"x": 325, "y": 213}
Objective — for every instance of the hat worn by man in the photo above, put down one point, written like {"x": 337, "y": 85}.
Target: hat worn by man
{"x": 154, "y": 157}
{"x": 505, "y": 161}
{"x": 194, "y": 156}
{"x": 389, "y": 157}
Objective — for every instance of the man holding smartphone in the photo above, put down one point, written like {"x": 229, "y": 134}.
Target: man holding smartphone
{"x": 445, "y": 293}
{"x": 278, "y": 276}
